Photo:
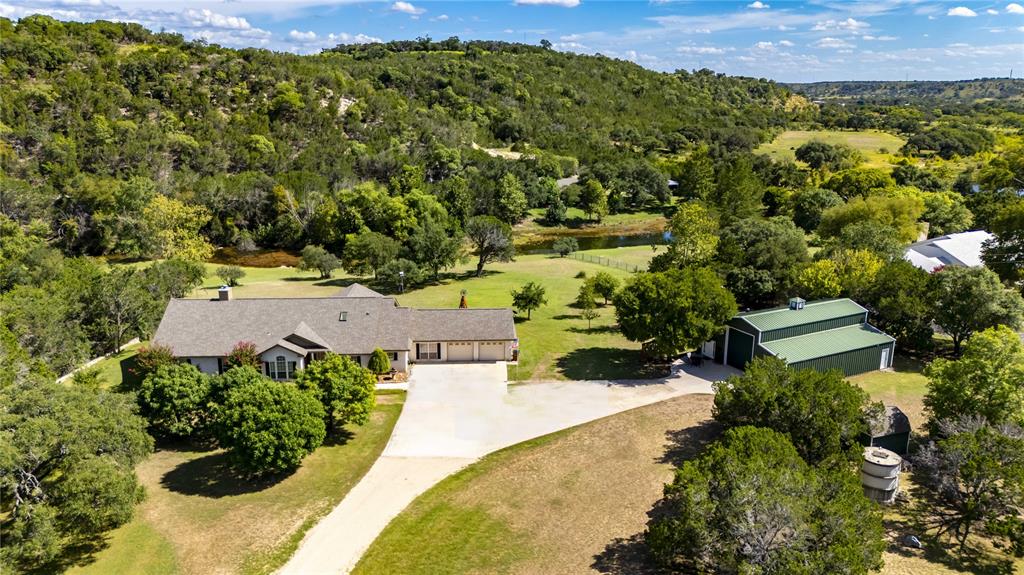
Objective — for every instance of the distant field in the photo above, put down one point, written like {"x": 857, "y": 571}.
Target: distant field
{"x": 868, "y": 142}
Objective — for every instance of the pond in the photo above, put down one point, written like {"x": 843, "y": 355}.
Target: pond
{"x": 544, "y": 244}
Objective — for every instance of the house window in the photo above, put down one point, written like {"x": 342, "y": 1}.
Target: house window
{"x": 428, "y": 351}
{"x": 280, "y": 368}
{"x": 358, "y": 359}
{"x": 394, "y": 356}
{"x": 343, "y": 316}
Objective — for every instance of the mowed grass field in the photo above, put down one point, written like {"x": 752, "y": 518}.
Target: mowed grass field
{"x": 554, "y": 344}
{"x": 577, "y": 501}
{"x": 870, "y": 143}
{"x": 200, "y": 518}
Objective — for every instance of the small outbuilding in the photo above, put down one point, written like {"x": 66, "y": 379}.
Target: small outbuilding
{"x": 890, "y": 429}
{"x": 822, "y": 335}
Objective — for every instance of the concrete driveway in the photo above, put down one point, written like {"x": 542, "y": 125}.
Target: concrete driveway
{"x": 453, "y": 415}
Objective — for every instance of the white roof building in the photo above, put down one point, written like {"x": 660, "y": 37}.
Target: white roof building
{"x": 963, "y": 249}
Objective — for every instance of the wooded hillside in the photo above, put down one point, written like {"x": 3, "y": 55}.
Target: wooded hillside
{"x": 101, "y": 118}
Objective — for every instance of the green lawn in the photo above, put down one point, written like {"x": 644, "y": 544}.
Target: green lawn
{"x": 200, "y": 518}
{"x": 554, "y": 344}
{"x": 110, "y": 367}
{"x": 903, "y": 387}
{"x": 868, "y": 142}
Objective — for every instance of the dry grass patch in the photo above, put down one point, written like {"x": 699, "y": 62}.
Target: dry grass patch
{"x": 556, "y": 504}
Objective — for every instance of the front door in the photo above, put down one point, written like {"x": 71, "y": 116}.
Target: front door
{"x": 885, "y": 358}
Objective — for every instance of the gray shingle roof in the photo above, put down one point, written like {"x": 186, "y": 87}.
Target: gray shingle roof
{"x": 456, "y": 324}
{"x": 358, "y": 290}
{"x": 198, "y": 328}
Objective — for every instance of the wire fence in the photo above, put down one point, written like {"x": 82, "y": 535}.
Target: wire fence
{"x": 603, "y": 261}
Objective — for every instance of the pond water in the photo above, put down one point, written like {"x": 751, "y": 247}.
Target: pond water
{"x": 591, "y": 242}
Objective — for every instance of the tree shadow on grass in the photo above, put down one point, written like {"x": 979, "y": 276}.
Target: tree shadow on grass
{"x": 630, "y": 555}
{"x": 595, "y": 329}
{"x": 213, "y": 476}
{"x": 686, "y": 443}
{"x": 914, "y": 518}
{"x": 609, "y": 363}
{"x": 340, "y": 436}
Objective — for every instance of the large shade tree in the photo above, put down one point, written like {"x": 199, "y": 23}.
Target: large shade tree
{"x": 672, "y": 311}
{"x": 761, "y": 258}
{"x": 972, "y": 299}
{"x": 821, "y": 413}
{"x": 750, "y": 504}
{"x": 67, "y": 468}
{"x": 987, "y": 381}
{"x": 491, "y": 240}
{"x": 269, "y": 426}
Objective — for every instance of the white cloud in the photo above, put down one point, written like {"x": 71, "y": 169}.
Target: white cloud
{"x": 784, "y": 28}
{"x": 834, "y": 43}
{"x": 1020, "y": 28}
{"x": 440, "y": 18}
{"x": 406, "y": 8}
{"x": 562, "y": 3}
{"x": 758, "y": 5}
{"x": 991, "y": 12}
{"x": 962, "y": 11}
{"x": 303, "y": 37}
{"x": 1014, "y": 8}
{"x": 764, "y": 46}
{"x": 786, "y": 43}
{"x": 704, "y": 50}
{"x": 345, "y": 38}
{"x": 848, "y": 25}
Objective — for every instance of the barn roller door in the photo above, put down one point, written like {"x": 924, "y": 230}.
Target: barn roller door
{"x": 740, "y": 349}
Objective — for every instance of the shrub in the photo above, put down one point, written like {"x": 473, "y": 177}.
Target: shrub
{"x": 379, "y": 362}
{"x": 173, "y": 399}
{"x": 230, "y": 274}
{"x": 243, "y": 354}
{"x": 149, "y": 358}
{"x": 269, "y": 426}
{"x": 344, "y": 388}
{"x": 565, "y": 246}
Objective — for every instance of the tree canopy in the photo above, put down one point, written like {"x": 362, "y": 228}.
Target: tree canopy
{"x": 750, "y": 504}
{"x": 673, "y": 311}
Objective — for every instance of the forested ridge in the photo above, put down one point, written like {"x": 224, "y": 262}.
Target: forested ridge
{"x": 966, "y": 91}
{"x": 100, "y": 117}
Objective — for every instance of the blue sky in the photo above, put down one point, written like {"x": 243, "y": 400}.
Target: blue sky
{"x": 787, "y": 41}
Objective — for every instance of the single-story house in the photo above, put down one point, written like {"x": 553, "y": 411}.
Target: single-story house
{"x": 822, "y": 335}
{"x": 962, "y": 249}
{"x": 289, "y": 333}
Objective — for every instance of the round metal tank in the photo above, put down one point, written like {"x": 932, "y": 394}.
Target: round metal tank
{"x": 880, "y": 474}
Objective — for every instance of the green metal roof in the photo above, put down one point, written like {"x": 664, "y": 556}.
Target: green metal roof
{"x": 776, "y": 318}
{"x": 823, "y": 343}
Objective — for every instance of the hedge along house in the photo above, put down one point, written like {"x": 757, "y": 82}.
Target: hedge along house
{"x": 821, "y": 335}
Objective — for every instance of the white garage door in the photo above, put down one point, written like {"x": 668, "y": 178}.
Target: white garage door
{"x": 460, "y": 351}
{"x": 492, "y": 351}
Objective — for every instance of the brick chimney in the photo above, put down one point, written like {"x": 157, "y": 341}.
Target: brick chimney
{"x": 224, "y": 293}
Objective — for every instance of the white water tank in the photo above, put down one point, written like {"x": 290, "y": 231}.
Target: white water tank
{"x": 880, "y": 474}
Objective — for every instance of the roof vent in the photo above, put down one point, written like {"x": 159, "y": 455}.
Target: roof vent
{"x": 343, "y": 316}
{"x": 224, "y": 293}
{"x": 796, "y": 303}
